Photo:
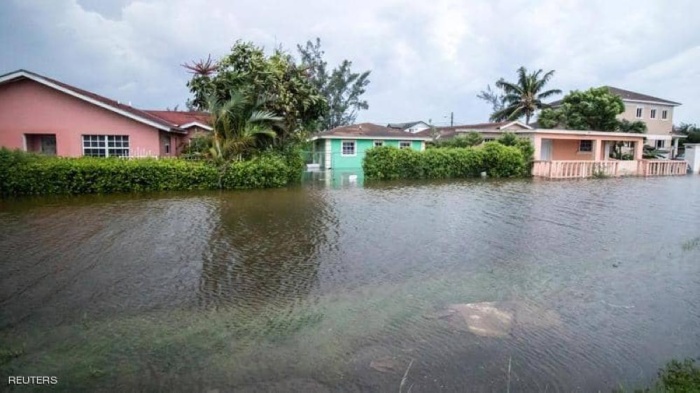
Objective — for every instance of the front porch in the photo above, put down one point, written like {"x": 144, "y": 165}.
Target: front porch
{"x": 561, "y": 154}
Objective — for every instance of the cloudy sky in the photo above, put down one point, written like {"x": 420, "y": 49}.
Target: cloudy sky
{"x": 428, "y": 58}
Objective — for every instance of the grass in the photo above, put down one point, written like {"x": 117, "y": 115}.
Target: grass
{"x": 691, "y": 244}
{"x": 676, "y": 377}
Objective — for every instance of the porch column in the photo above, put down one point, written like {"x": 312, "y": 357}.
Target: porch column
{"x": 606, "y": 152}
{"x": 638, "y": 150}
{"x": 537, "y": 142}
{"x": 596, "y": 149}
{"x": 674, "y": 151}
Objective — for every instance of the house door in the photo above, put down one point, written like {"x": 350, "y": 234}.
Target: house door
{"x": 48, "y": 145}
{"x": 546, "y": 150}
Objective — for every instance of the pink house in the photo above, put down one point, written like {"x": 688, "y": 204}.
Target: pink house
{"x": 43, "y": 115}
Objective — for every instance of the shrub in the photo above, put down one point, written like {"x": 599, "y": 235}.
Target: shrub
{"x": 495, "y": 159}
{"x": 27, "y": 174}
{"x": 465, "y": 140}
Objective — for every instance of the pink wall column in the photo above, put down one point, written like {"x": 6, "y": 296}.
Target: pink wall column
{"x": 638, "y": 150}
{"x": 28, "y": 107}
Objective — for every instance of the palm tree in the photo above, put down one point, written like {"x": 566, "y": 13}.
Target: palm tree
{"x": 525, "y": 97}
{"x": 239, "y": 126}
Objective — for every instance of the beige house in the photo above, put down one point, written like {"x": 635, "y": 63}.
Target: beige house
{"x": 656, "y": 112}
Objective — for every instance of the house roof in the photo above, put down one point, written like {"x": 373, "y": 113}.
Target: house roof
{"x": 367, "y": 131}
{"x": 404, "y": 126}
{"x": 628, "y": 95}
{"x": 96, "y": 99}
{"x": 449, "y": 132}
{"x": 183, "y": 119}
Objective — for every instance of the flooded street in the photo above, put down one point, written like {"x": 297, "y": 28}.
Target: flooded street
{"x": 578, "y": 285}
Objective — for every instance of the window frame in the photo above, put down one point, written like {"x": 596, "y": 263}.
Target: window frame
{"x": 652, "y": 113}
{"x": 580, "y": 146}
{"x": 639, "y": 114}
{"x": 107, "y": 143}
{"x": 342, "y": 148}
{"x": 664, "y": 114}
{"x": 378, "y": 143}
{"x": 410, "y": 145}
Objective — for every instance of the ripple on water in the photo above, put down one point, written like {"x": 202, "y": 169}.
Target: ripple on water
{"x": 320, "y": 282}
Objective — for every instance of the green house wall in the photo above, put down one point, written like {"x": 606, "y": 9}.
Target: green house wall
{"x": 338, "y": 161}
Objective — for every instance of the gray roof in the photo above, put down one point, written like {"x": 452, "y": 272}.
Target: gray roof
{"x": 368, "y": 130}
{"x": 630, "y": 96}
{"x": 404, "y": 126}
{"x": 449, "y": 132}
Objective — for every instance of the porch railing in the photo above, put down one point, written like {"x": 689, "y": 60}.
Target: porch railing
{"x": 574, "y": 169}
{"x": 662, "y": 168}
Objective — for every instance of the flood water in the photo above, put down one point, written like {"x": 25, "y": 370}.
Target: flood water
{"x": 322, "y": 288}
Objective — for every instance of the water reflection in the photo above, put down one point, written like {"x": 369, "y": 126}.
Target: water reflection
{"x": 266, "y": 247}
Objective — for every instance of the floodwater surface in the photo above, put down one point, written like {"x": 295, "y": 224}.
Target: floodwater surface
{"x": 480, "y": 286}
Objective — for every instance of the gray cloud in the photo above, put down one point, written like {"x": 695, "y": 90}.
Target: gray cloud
{"x": 427, "y": 58}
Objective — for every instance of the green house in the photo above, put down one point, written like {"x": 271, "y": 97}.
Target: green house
{"x": 345, "y": 147}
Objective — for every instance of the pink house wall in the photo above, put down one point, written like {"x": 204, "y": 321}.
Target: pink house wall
{"x": 563, "y": 149}
{"x": 28, "y": 107}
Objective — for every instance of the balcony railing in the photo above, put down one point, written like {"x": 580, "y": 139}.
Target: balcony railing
{"x": 662, "y": 167}
{"x": 574, "y": 169}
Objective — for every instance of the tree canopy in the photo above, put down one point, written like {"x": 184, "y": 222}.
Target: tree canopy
{"x": 341, "y": 87}
{"x": 283, "y": 88}
{"x": 593, "y": 109}
{"x": 522, "y": 98}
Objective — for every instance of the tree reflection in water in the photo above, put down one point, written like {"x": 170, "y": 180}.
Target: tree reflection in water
{"x": 266, "y": 249}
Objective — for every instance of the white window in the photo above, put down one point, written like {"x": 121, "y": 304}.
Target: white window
{"x": 378, "y": 143}
{"x": 585, "y": 146}
{"x": 106, "y": 145}
{"x": 652, "y": 114}
{"x": 640, "y": 112}
{"x": 348, "y": 148}
{"x": 404, "y": 144}
{"x": 660, "y": 143}
{"x": 664, "y": 114}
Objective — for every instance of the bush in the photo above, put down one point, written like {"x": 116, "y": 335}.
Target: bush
{"x": 493, "y": 158}
{"x": 28, "y": 174}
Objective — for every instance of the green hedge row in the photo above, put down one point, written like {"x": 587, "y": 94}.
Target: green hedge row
{"x": 28, "y": 174}
{"x": 495, "y": 159}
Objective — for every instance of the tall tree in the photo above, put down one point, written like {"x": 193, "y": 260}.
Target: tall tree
{"x": 524, "y": 97}
{"x": 341, "y": 87}
{"x": 493, "y": 97}
{"x": 287, "y": 90}
{"x": 594, "y": 109}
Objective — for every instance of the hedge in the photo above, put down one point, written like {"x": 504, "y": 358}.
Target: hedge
{"x": 493, "y": 158}
{"x": 28, "y": 174}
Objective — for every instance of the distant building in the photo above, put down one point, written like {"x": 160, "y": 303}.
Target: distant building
{"x": 411, "y": 126}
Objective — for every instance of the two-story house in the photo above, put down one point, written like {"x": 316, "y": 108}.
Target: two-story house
{"x": 656, "y": 112}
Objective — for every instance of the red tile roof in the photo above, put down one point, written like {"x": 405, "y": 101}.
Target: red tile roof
{"x": 181, "y": 118}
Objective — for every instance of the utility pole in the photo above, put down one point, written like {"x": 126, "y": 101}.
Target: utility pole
{"x": 452, "y": 119}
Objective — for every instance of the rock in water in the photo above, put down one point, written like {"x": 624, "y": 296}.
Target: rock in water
{"x": 484, "y": 319}
{"x": 385, "y": 365}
